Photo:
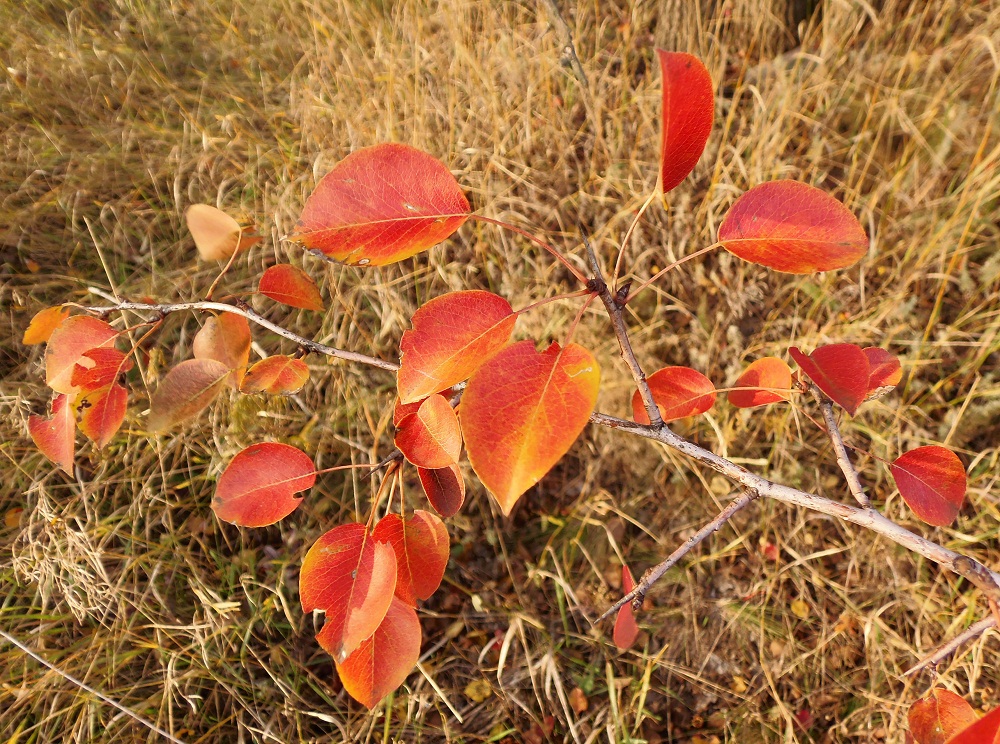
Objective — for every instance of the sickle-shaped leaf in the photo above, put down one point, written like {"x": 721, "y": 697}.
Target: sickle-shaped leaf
{"x": 217, "y": 236}
{"x": 626, "y": 630}
{"x": 452, "y": 336}
{"x": 290, "y": 286}
{"x": 688, "y": 110}
{"x": 380, "y": 205}
{"x": 102, "y": 411}
{"x": 884, "y": 374}
{"x": 431, "y": 438}
{"x": 839, "y": 370}
{"x": 421, "y": 545}
{"x": 351, "y": 577}
{"x": 67, "y": 345}
{"x": 226, "y": 339}
{"x": 523, "y": 410}
{"x": 382, "y": 662}
{"x": 679, "y": 392}
{"x": 445, "y": 489}
{"x": 43, "y": 323}
{"x": 793, "y": 227}
{"x": 984, "y": 731}
{"x": 54, "y": 435}
{"x": 278, "y": 375}
{"x": 940, "y": 715}
{"x": 258, "y": 486}
{"x": 185, "y": 392}
{"x": 932, "y": 482}
{"x": 108, "y": 365}
{"x": 764, "y": 381}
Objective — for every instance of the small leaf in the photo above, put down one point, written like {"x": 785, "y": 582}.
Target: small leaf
{"x": 226, "y": 339}
{"x": 932, "y": 482}
{"x": 383, "y": 661}
{"x": 67, "y": 345}
{"x": 422, "y": 550}
{"x": 479, "y": 690}
{"x": 800, "y": 608}
{"x": 185, "y": 392}
{"x": 839, "y": 370}
{"x": 54, "y": 435}
{"x": 938, "y": 716}
{"x": 431, "y": 438}
{"x": 679, "y": 392}
{"x": 688, "y": 110}
{"x": 445, "y": 489}
{"x": 984, "y": 731}
{"x": 43, "y": 324}
{"x": 452, "y": 336}
{"x": 884, "y": 374}
{"x": 793, "y": 227}
{"x": 578, "y": 700}
{"x": 258, "y": 486}
{"x": 380, "y": 205}
{"x": 762, "y": 381}
{"x": 102, "y": 411}
{"x": 277, "y": 375}
{"x": 626, "y": 630}
{"x": 108, "y": 366}
{"x": 290, "y": 286}
{"x": 217, "y": 236}
{"x": 523, "y": 410}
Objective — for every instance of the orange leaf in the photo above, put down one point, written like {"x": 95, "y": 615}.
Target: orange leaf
{"x": 402, "y": 411}
{"x": 445, "y": 489}
{"x": 933, "y": 719}
{"x": 421, "y": 545}
{"x": 185, "y": 392}
{"x": 380, "y": 205}
{"x": 226, "y": 339}
{"x": 452, "y": 336}
{"x": 762, "y": 379}
{"x": 626, "y": 630}
{"x": 793, "y": 227}
{"x": 102, "y": 411}
{"x": 984, "y": 731}
{"x": 43, "y": 323}
{"x": 351, "y": 577}
{"x": 688, "y": 110}
{"x": 217, "y": 236}
{"x": 432, "y": 437}
{"x": 54, "y": 435}
{"x": 523, "y": 410}
{"x": 931, "y": 481}
{"x": 258, "y": 486}
{"x": 885, "y": 372}
{"x": 679, "y": 392}
{"x": 382, "y": 662}
{"x": 278, "y": 375}
{"x": 109, "y": 364}
{"x": 839, "y": 370}
{"x": 67, "y": 345}
{"x": 290, "y": 286}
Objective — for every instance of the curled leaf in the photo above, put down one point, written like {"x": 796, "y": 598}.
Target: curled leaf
{"x": 43, "y": 324}
{"x": 932, "y": 482}
{"x": 185, "y": 392}
{"x": 839, "y": 370}
{"x": 67, "y": 346}
{"x": 432, "y": 437}
{"x": 688, "y": 110}
{"x": 884, "y": 373}
{"x": 679, "y": 392}
{"x": 217, "y": 236}
{"x": 445, "y": 489}
{"x": 626, "y": 629}
{"x": 277, "y": 375}
{"x": 226, "y": 339}
{"x": 54, "y": 435}
{"x": 260, "y": 484}
{"x": 290, "y": 286}
{"x": 102, "y": 411}
{"x": 765, "y": 381}
{"x": 108, "y": 366}
{"x": 421, "y": 545}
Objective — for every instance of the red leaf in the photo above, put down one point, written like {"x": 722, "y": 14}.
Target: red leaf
{"x": 382, "y": 662}
{"x": 984, "y": 731}
{"x": 445, "y": 489}
{"x": 452, "y": 336}
{"x": 626, "y": 630}
{"x": 258, "y": 486}
{"x": 351, "y": 578}
{"x": 102, "y": 411}
{"x": 54, "y": 435}
{"x": 523, "y": 410}
{"x": 431, "y": 438}
{"x": 401, "y": 411}
{"x": 67, "y": 345}
{"x": 762, "y": 380}
{"x": 380, "y": 205}
{"x": 217, "y": 236}
{"x": 421, "y": 545}
{"x": 291, "y": 286}
{"x": 885, "y": 372}
{"x": 679, "y": 392}
{"x": 931, "y": 481}
{"x": 185, "y": 392}
{"x": 43, "y": 323}
{"x": 839, "y": 370}
{"x": 278, "y": 375}
{"x": 226, "y": 339}
{"x": 688, "y": 110}
{"x": 793, "y": 227}
{"x": 109, "y": 364}
{"x": 933, "y": 719}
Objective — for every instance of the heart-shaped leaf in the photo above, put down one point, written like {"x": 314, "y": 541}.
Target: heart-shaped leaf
{"x": 290, "y": 286}
{"x": 432, "y": 437}
{"x": 884, "y": 373}
{"x": 217, "y": 236}
{"x": 102, "y": 411}
{"x": 226, "y": 339}
{"x": 43, "y": 323}
{"x": 54, "y": 435}
{"x": 422, "y": 550}
{"x": 688, "y": 110}
{"x": 938, "y": 716}
{"x": 626, "y": 630}
{"x": 679, "y": 392}
{"x": 839, "y": 370}
{"x": 186, "y": 391}
{"x": 932, "y": 482}
{"x": 445, "y": 489}
{"x": 258, "y": 486}
{"x": 764, "y": 381}
{"x": 66, "y": 348}
{"x": 984, "y": 731}
{"x": 277, "y": 375}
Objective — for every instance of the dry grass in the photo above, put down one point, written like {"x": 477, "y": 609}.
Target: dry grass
{"x": 116, "y": 114}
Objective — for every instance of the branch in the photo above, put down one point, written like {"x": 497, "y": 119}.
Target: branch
{"x": 570, "y": 56}
{"x": 951, "y": 646}
{"x": 843, "y": 460}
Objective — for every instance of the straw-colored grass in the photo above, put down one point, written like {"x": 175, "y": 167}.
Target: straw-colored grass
{"x": 115, "y": 115}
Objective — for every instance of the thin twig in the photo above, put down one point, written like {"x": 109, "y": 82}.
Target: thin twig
{"x": 952, "y": 646}
{"x": 843, "y": 459}
{"x": 569, "y": 53}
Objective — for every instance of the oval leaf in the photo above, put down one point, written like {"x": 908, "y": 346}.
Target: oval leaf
{"x": 421, "y": 545}
{"x": 258, "y": 486}
{"x": 226, "y": 339}
{"x": 102, "y": 411}
{"x": 940, "y": 715}
{"x": 445, "y": 489}
{"x": 54, "y": 435}
{"x": 217, "y": 236}
{"x": 523, "y": 410}
{"x": 688, "y": 110}
{"x": 626, "y": 630}
{"x": 432, "y": 437}
{"x": 67, "y": 346}
{"x": 382, "y": 662}
{"x": 452, "y": 336}
{"x": 793, "y": 227}
{"x": 278, "y": 375}
{"x": 764, "y": 381}
{"x": 290, "y": 286}
{"x": 984, "y": 731}
{"x": 351, "y": 577}
{"x": 932, "y": 482}
{"x": 884, "y": 373}
{"x": 43, "y": 323}
{"x": 839, "y": 370}
{"x": 380, "y": 205}
{"x": 185, "y": 392}
{"x": 679, "y": 392}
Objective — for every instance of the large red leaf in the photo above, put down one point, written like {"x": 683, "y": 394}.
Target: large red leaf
{"x": 226, "y": 339}
{"x": 940, "y": 715}
{"x": 43, "y": 323}
{"x": 258, "y": 486}
{"x": 54, "y": 435}
{"x": 679, "y": 392}
{"x": 884, "y": 373}
{"x": 626, "y": 630}
{"x": 380, "y": 205}
{"x": 290, "y": 286}
{"x": 351, "y": 577}
{"x": 186, "y": 391}
{"x": 217, "y": 236}
{"x": 765, "y": 381}
{"x": 422, "y": 550}
{"x": 102, "y": 411}
{"x": 452, "y": 336}
{"x": 108, "y": 365}
{"x": 431, "y": 438}
{"x": 382, "y": 662}
{"x": 932, "y": 482}
{"x": 445, "y": 489}
{"x": 984, "y": 731}
{"x": 278, "y": 375}
{"x": 67, "y": 345}
{"x": 793, "y": 227}
{"x": 839, "y": 370}
{"x": 523, "y": 410}
{"x": 688, "y": 110}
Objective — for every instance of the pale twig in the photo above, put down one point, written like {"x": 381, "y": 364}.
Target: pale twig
{"x": 843, "y": 459}
{"x": 952, "y": 646}
{"x": 569, "y": 53}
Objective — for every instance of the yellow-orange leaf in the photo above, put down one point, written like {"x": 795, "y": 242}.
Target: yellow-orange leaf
{"x": 626, "y": 630}
{"x": 185, "y": 392}
{"x": 939, "y": 716}
{"x": 102, "y": 411}
{"x": 278, "y": 375}
{"x": 43, "y": 323}
{"x": 54, "y": 435}
{"x": 217, "y": 236}
{"x": 431, "y": 438}
{"x": 67, "y": 346}
{"x": 522, "y": 411}
{"x": 290, "y": 286}
{"x": 679, "y": 392}
{"x": 766, "y": 380}
{"x": 445, "y": 489}
{"x": 421, "y": 545}
{"x": 226, "y": 339}
{"x": 260, "y": 484}
{"x": 109, "y": 364}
